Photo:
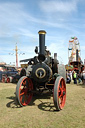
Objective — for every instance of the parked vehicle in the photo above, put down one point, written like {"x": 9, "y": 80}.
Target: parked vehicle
{"x": 8, "y": 73}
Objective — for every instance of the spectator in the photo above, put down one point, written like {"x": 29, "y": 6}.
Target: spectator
{"x": 70, "y": 74}
{"x": 75, "y": 77}
{"x": 83, "y": 77}
{"x": 79, "y": 77}
{"x": 68, "y": 78}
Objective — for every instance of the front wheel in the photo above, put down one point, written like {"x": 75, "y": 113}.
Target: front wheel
{"x": 59, "y": 93}
{"x": 24, "y": 90}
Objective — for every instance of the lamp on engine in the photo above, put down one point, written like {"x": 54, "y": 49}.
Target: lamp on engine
{"x": 43, "y": 73}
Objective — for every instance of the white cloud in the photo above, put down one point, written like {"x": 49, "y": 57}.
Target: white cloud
{"x": 58, "y": 6}
{"x": 60, "y": 49}
{"x": 15, "y": 20}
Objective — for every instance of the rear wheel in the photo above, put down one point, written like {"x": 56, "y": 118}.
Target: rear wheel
{"x": 59, "y": 94}
{"x": 24, "y": 90}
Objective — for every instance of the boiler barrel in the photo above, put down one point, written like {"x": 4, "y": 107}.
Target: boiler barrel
{"x": 41, "y": 56}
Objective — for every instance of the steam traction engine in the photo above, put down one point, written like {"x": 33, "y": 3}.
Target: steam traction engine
{"x": 43, "y": 73}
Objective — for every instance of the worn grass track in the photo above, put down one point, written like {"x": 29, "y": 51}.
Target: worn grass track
{"x": 41, "y": 113}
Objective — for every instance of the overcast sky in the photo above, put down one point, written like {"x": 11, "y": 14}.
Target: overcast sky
{"x": 20, "y": 21}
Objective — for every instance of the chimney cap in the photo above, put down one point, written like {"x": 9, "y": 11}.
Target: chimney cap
{"x": 42, "y": 32}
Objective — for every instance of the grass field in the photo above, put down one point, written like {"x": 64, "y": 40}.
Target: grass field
{"x": 41, "y": 113}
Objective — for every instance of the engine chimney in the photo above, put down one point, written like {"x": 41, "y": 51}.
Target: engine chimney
{"x": 41, "y": 55}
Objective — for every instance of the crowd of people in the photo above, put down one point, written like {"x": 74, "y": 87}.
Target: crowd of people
{"x": 76, "y": 77}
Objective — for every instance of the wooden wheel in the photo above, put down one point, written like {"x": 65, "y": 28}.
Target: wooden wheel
{"x": 24, "y": 90}
{"x": 59, "y": 94}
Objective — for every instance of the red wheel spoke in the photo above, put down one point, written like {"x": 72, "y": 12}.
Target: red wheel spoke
{"x": 22, "y": 93}
{"x": 62, "y": 84}
{"x": 59, "y": 96}
{"x": 24, "y": 83}
{"x": 60, "y": 88}
{"x": 61, "y": 100}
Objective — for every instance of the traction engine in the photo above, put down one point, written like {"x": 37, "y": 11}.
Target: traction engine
{"x": 43, "y": 73}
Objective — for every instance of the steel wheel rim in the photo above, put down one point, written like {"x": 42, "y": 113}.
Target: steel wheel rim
{"x": 24, "y": 95}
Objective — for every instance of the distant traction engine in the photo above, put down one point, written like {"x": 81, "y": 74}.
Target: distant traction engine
{"x": 43, "y": 73}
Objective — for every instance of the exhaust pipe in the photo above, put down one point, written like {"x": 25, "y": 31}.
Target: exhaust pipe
{"x": 77, "y": 55}
{"x": 41, "y": 55}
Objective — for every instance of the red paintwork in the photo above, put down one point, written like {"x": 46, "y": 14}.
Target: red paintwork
{"x": 61, "y": 90}
{"x": 8, "y": 80}
{"x": 24, "y": 96}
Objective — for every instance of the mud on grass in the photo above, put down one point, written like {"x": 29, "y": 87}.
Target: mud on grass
{"x": 41, "y": 113}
